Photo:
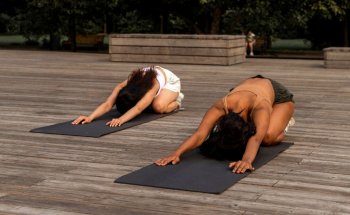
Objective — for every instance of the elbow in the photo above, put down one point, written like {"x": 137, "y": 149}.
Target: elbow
{"x": 200, "y": 138}
{"x": 255, "y": 141}
{"x": 108, "y": 107}
{"x": 138, "y": 110}
{"x": 119, "y": 87}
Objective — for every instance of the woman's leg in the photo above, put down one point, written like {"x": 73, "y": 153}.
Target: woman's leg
{"x": 165, "y": 101}
{"x": 246, "y": 47}
{"x": 280, "y": 116}
{"x": 251, "y": 47}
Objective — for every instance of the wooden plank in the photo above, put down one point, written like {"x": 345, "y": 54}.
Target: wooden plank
{"x": 337, "y": 64}
{"x": 177, "y": 59}
{"x": 292, "y": 192}
{"x": 179, "y": 36}
{"x": 177, "y": 42}
{"x": 337, "y": 56}
{"x": 305, "y": 203}
{"x": 337, "y": 49}
{"x": 236, "y": 59}
{"x": 236, "y": 204}
{"x": 43, "y": 174}
{"x": 168, "y": 42}
{"x": 11, "y": 209}
{"x": 182, "y": 51}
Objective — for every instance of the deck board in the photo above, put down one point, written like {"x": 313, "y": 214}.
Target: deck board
{"x": 56, "y": 174}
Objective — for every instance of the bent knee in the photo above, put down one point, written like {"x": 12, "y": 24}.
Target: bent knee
{"x": 269, "y": 139}
{"x": 159, "y": 108}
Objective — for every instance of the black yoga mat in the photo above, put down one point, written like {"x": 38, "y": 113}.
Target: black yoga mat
{"x": 196, "y": 172}
{"x": 98, "y": 127}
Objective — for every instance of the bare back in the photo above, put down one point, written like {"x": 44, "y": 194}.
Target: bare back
{"x": 261, "y": 88}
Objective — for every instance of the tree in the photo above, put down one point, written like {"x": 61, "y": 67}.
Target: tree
{"x": 8, "y": 9}
{"x": 221, "y": 16}
{"x": 334, "y": 10}
{"x": 62, "y": 17}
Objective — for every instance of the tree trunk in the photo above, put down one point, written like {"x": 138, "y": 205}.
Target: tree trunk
{"x": 346, "y": 35}
{"x": 105, "y": 25}
{"x": 73, "y": 34}
{"x": 161, "y": 24}
{"x": 55, "y": 42}
{"x": 207, "y": 24}
{"x": 215, "y": 24}
{"x": 188, "y": 21}
{"x": 235, "y": 21}
{"x": 165, "y": 23}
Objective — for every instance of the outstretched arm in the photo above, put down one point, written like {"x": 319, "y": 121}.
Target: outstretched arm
{"x": 103, "y": 108}
{"x": 137, "y": 109}
{"x": 261, "y": 119}
{"x": 208, "y": 122}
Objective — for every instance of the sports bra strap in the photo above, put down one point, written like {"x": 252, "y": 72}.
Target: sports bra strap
{"x": 225, "y": 104}
{"x": 224, "y": 101}
{"x": 256, "y": 103}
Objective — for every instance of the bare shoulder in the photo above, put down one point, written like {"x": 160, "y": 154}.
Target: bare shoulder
{"x": 263, "y": 108}
{"x": 220, "y": 105}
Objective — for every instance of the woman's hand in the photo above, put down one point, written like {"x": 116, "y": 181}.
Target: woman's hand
{"x": 115, "y": 122}
{"x": 174, "y": 159}
{"x": 241, "y": 166}
{"x": 82, "y": 120}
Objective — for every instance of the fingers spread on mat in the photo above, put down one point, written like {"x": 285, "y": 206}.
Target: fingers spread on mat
{"x": 241, "y": 166}
{"x": 164, "y": 161}
{"x": 115, "y": 122}
{"x": 82, "y": 120}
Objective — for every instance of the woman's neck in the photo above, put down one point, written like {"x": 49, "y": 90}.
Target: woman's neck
{"x": 241, "y": 101}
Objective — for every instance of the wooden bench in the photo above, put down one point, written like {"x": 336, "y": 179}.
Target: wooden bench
{"x": 183, "y": 49}
{"x": 259, "y": 42}
{"x": 337, "y": 57}
{"x": 87, "y": 40}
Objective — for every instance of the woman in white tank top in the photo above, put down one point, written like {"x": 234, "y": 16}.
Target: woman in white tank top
{"x": 152, "y": 86}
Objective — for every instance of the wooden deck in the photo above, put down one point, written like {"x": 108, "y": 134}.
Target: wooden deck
{"x": 54, "y": 174}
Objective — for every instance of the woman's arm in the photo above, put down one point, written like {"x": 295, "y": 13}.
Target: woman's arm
{"x": 208, "y": 122}
{"x": 103, "y": 108}
{"x": 137, "y": 109}
{"x": 261, "y": 119}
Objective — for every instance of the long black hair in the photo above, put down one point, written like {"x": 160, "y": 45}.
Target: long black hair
{"x": 229, "y": 137}
{"x": 139, "y": 83}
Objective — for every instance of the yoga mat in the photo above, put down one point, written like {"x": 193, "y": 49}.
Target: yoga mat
{"x": 196, "y": 172}
{"x": 98, "y": 127}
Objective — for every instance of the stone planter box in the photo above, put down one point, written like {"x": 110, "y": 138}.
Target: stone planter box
{"x": 182, "y": 49}
{"x": 337, "y": 57}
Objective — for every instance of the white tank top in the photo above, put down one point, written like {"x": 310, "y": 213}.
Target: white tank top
{"x": 160, "y": 78}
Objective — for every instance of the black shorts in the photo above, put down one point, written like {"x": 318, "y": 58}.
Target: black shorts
{"x": 281, "y": 92}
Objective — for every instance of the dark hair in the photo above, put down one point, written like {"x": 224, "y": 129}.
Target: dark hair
{"x": 228, "y": 138}
{"x": 139, "y": 83}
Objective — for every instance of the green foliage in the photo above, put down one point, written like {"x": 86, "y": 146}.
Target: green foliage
{"x": 331, "y": 32}
{"x": 265, "y": 16}
{"x": 29, "y": 24}
{"x": 178, "y": 26}
{"x": 269, "y": 18}
{"x": 55, "y": 17}
{"x": 328, "y": 9}
{"x": 135, "y": 22}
